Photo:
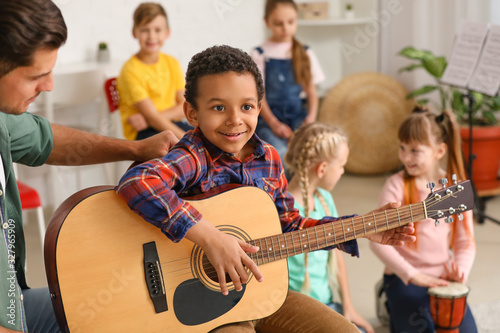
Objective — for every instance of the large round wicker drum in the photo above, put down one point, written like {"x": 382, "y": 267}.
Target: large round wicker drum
{"x": 369, "y": 107}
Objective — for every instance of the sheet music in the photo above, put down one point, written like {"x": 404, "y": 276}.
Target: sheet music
{"x": 486, "y": 78}
{"x": 465, "y": 54}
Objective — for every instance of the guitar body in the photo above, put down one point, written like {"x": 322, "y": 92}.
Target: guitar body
{"x": 95, "y": 266}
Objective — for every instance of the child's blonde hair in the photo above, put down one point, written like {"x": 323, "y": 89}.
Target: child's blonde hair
{"x": 147, "y": 12}
{"x": 311, "y": 144}
{"x": 300, "y": 60}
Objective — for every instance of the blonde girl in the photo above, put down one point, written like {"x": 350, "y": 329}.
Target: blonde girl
{"x": 290, "y": 71}
{"x": 316, "y": 156}
{"x": 441, "y": 253}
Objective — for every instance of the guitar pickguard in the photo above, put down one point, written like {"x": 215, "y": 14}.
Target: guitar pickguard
{"x": 194, "y": 304}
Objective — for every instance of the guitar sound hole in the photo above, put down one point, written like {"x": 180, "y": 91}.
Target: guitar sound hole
{"x": 211, "y": 272}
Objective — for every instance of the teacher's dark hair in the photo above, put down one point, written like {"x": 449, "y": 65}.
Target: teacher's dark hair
{"x": 27, "y": 26}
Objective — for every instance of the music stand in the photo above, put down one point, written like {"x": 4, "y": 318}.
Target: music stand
{"x": 474, "y": 66}
{"x": 479, "y": 205}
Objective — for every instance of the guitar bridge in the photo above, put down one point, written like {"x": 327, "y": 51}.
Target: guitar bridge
{"x": 154, "y": 277}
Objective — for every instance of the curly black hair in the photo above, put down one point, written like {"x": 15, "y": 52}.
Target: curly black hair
{"x": 217, "y": 60}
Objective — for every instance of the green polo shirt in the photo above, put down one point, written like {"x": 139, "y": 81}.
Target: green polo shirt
{"x": 24, "y": 139}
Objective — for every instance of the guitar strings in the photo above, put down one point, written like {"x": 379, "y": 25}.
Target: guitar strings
{"x": 355, "y": 227}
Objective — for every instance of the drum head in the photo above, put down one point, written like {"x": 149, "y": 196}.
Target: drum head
{"x": 452, "y": 290}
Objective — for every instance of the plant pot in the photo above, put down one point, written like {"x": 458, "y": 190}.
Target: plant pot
{"x": 486, "y": 147}
{"x": 349, "y": 14}
{"x": 103, "y": 56}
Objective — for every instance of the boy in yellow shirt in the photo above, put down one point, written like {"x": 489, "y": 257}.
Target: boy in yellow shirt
{"x": 151, "y": 83}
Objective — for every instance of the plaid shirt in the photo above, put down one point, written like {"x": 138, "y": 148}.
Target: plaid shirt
{"x": 155, "y": 189}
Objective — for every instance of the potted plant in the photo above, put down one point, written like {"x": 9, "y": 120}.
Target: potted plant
{"x": 485, "y": 130}
{"x": 349, "y": 11}
{"x": 103, "y": 52}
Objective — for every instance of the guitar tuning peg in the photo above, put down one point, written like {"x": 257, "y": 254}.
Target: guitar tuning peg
{"x": 449, "y": 219}
{"x": 454, "y": 179}
{"x": 436, "y": 223}
{"x": 460, "y": 217}
{"x": 443, "y": 182}
{"x": 431, "y": 186}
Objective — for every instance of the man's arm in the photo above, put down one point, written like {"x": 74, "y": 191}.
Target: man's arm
{"x": 75, "y": 147}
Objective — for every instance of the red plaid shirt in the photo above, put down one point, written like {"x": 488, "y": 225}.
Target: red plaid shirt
{"x": 155, "y": 189}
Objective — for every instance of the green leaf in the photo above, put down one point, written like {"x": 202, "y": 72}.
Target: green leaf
{"x": 478, "y": 99}
{"x": 412, "y": 53}
{"x": 422, "y": 91}
{"x": 489, "y": 118}
{"x": 435, "y": 66}
{"x": 457, "y": 102}
{"x": 423, "y": 101}
{"x": 409, "y": 68}
{"x": 496, "y": 103}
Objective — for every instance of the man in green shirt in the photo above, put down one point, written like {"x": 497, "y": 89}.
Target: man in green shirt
{"x": 31, "y": 32}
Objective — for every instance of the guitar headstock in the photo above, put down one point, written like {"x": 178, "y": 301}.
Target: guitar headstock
{"x": 451, "y": 200}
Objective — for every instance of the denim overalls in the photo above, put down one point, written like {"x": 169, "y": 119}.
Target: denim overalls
{"x": 282, "y": 95}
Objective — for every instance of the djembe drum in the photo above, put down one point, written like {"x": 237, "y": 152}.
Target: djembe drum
{"x": 447, "y": 305}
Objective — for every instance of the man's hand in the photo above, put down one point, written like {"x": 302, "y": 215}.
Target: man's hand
{"x": 397, "y": 236}
{"x": 155, "y": 146}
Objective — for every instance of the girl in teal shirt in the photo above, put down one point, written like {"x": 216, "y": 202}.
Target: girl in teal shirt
{"x": 316, "y": 156}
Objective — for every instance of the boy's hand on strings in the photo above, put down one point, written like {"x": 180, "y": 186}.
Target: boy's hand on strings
{"x": 226, "y": 254}
{"x": 453, "y": 273}
{"x": 397, "y": 236}
{"x": 428, "y": 281}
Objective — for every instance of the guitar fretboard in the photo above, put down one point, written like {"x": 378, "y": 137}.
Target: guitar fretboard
{"x": 288, "y": 244}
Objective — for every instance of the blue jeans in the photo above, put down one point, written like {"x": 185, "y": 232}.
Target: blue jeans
{"x": 40, "y": 316}
{"x": 283, "y": 97}
{"x": 408, "y": 307}
{"x": 264, "y": 132}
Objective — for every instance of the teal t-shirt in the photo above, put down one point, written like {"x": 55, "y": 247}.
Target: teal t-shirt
{"x": 317, "y": 260}
{"x": 25, "y": 139}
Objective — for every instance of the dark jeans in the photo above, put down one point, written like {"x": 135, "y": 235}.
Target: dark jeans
{"x": 40, "y": 316}
{"x": 150, "y": 131}
{"x": 408, "y": 307}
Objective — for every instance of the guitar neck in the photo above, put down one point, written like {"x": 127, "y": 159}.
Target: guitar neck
{"x": 288, "y": 244}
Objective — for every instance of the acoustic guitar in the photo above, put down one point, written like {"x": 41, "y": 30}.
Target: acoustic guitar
{"x": 110, "y": 271}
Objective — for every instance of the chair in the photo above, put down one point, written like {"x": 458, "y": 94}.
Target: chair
{"x": 31, "y": 200}
{"x": 112, "y": 95}
{"x": 113, "y": 98}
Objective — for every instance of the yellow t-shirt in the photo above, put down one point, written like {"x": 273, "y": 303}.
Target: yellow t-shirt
{"x": 137, "y": 81}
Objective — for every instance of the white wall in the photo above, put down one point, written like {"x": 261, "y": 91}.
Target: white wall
{"x": 195, "y": 25}
{"x": 426, "y": 24}
{"x": 78, "y": 97}
{"x": 198, "y": 24}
